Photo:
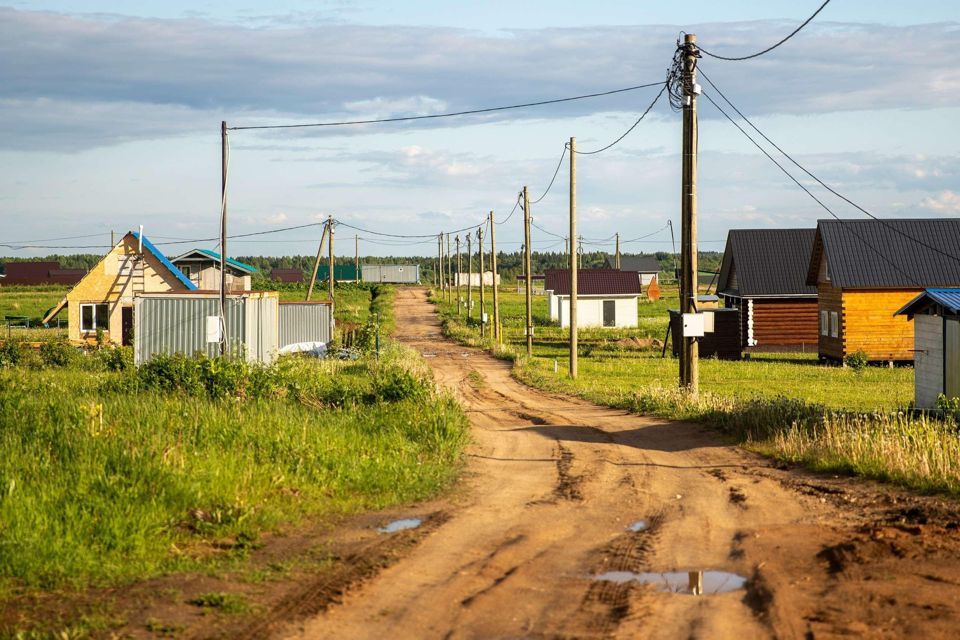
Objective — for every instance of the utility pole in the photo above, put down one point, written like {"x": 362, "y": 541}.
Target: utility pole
{"x": 316, "y": 264}
{"x": 526, "y": 263}
{"x": 439, "y": 270}
{"x": 459, "y": 299}
{"x": 689, "y": 348}
{"x": 224, "y": 159}
{"x": 113, "y": 241}
{"x": 469, "y": 276}
{"x": 330, "y": 247}
{"x": 573, "y": 258}
{"x": 482, "y": 308}
{"x": 356, "y": 259}
{"x": 496, "y": 298}
{"x": 449, "y": 272}
{"x": 618, "y": 250}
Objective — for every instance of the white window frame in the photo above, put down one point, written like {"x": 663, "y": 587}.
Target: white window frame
{"x": 834, "y": 324}
{"x": 94, "y": 317}
{"x": 825, "y": 323}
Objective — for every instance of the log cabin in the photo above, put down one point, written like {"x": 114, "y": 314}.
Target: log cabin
{"x": 764, "y": 275}
{"x": 866, "y": 270}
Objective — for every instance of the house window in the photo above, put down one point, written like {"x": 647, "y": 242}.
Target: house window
{"x": 834, "y": 324}
{"x": 93, "y": 317}
{"x": 186, "y": 270}
{"x": 824, "y": 323}
{"x": 609, "y": 313}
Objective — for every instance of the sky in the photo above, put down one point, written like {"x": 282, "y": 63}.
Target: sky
{"x": 110, "y": 118}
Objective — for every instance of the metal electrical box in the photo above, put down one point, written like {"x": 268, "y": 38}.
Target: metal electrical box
{"x": 693, "y": 325}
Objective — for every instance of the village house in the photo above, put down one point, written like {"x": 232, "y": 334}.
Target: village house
{"x": 202, "y": 267}
{"x": 936, "y": 330}
{"x": 605, "y": 297}
{"x": 764, "y": 276}
{"x": 102, "y": 302}
{"x": 291, "y": 276}
{"x": 647, "y": 267}
{"x": 867, "y": 270}
{"x": 40, "y": 272}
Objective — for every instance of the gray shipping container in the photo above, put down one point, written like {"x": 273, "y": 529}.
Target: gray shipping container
{"x": 305, "y": 322}
{"x": 178, "y": 323}
{"x": 391, "y": 273}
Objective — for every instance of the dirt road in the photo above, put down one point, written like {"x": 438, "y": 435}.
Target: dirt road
{"x": 553, "y": 486}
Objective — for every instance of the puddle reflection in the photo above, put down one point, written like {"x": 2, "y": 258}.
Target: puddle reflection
{"x": 400, "y": 525}
{"x": 689, "y": 582}
{"x": 639, "y": 525}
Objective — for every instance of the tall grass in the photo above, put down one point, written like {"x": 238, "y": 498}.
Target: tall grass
{"x": 106, "y": 478}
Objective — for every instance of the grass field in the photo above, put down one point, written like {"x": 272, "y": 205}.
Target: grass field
{"x": 108, "y": 476}
{"x": 32, "y": 302}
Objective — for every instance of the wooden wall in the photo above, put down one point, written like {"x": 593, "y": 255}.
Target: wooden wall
{"x": 830, "y": 299}
{"x": 785, "y": 322}
{"x": 928, "y": 364}
{"x": 869, "y": 323}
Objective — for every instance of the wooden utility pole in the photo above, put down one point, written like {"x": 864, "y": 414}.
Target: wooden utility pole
{"x": 469, "y": 276}
{"x": 482, "y": 308}
{"x": 689, "y": 348}
{"x": 331, "y": 281}
{"x": 526, "y": 267}
{"x": 573, "y": 259}
{"x": 316, "y": 264}
{"x": 618, "y": 250}
{"x": 356, "y": 259}
{"x": 449, "y": 272}
{"x": 496, "y": 297}
{"x": 459, "y": 299}
{"x": 113, "y": 240}
{"x": 439, "y": 270}
{"x": 224, "y": 159}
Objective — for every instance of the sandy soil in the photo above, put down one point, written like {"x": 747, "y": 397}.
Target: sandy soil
{"x": 552, "y": 486}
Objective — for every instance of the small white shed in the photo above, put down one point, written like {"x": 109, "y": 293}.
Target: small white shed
{"x": 605, "y": 297}
{"x": 936, "y": 334}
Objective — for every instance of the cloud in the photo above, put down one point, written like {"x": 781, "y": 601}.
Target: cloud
{"x": 946, "y": 202}
{"x": 276, "y": 218}
{"x": 112, "y": 74}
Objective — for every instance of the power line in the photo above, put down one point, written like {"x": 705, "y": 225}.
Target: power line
{"x": 821, "y": 182}
{"x": 399, "y": 235}
{"x": 555, "y": 173}
{"x": 632, "y": 127}
{"x": 809, "y": 193}
{"x": 89, "y": 235}
{"x": 447, "y": 115}
{"x": 772, "y": 47}
{"x": 647, "y": 235}
{"x": 549, "y": 233}
{"x": 516, "y": 205}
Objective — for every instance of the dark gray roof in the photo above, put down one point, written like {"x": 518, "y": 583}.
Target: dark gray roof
{"x": 643, "y": 264}
{"x": 888, "y": 254}
{"x": 767, "y": 262}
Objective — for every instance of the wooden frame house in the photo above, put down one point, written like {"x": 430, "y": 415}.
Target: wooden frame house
{"x": 102, "y": 302}
{"x": 764, "y": 276}
{"x": 867, "y": 270}
{"x": 202, "y": 267}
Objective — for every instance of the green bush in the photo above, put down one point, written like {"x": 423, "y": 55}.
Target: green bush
{"x": 395, "y": 384}
{"x": 857, "y": 360}
{"x": 10, "y": 354}
{"x": 115, "y": 358}
{"x": 58, "y": 353}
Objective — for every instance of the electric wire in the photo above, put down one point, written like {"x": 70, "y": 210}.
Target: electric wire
{"x": 89, "y": 235}
{"x": 446, "y": 115}
{"x": 653, "y": 233}
{"x": 627, "y": 132}
{"x": 516, "y": 205}
{"x": 555, "y": 173}
{"x": 772, "y": 47}
{"x": 549, "y": 233}
{"x": 808, "y": 192}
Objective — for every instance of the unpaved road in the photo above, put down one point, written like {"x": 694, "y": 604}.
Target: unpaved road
{"x": 552, "y": 486}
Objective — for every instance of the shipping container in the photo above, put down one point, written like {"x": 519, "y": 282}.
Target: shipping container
{"x": 305, "y": 322}
{"x": 188, "y": 322}
{"x": 391, "y": 273}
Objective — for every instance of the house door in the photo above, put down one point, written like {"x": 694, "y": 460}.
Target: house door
{"x": 126, "y": 325}
{"x": 951, "y": 358}
{"x": 609, "y": 313}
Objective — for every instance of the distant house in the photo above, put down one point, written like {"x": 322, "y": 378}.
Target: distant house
{"x": 866, "y": 270}
{"x": 390, "y": 273}
{"x": 341, "y": 273}
{"x": 647, "y": 267}
{"x": 936, "y": 330}
{"x": 473, "y": 279}
{"x": 103, "y": 300}
{"x": 202, "y": 267}
{"x": 764, "y": 275}
{"x": 41, "y": 272}
{"x": 605, "y": 297}
{"x": 287, "y": 275}
{"x": 537, "y": 283}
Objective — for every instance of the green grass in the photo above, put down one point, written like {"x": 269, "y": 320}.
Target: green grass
{"x": 105, "y": 479}
{"x": 32, "y": 302}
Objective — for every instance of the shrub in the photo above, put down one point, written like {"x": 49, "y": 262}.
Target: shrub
{"x": 395, "y": 384}
{"x": 58, "y": 353}
{"x": 10, "y": 354}
{"x": 857, "y": 360}
{"x": 116, "y": 358}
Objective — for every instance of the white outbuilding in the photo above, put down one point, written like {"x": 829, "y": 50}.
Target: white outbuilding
{"x": 605, "y": 297}
{"x": 936, "y": 334}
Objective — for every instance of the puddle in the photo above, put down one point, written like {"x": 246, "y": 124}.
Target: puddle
{"x": 689, "y": 582}
{"x": 400, "y": 525}
{"x": 639, "y": 525}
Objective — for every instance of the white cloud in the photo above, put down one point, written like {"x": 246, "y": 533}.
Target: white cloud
{"x": 945, "y": 202}
{"x": 276, "y": 218}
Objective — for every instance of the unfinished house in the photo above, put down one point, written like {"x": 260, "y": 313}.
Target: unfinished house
{"x": 202, "y": 268}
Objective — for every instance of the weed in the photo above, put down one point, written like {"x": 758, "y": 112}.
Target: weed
{"x": 223, "y": 602}
{"x": 857, "y": 360}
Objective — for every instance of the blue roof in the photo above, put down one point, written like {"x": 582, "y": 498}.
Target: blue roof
{"x": 184, "y": 280}
{"x": 233, "y": 263}
{"x": 949, "y": 299}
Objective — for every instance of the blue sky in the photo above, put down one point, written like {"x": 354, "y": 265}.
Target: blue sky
{"x": 111, "y": 110}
